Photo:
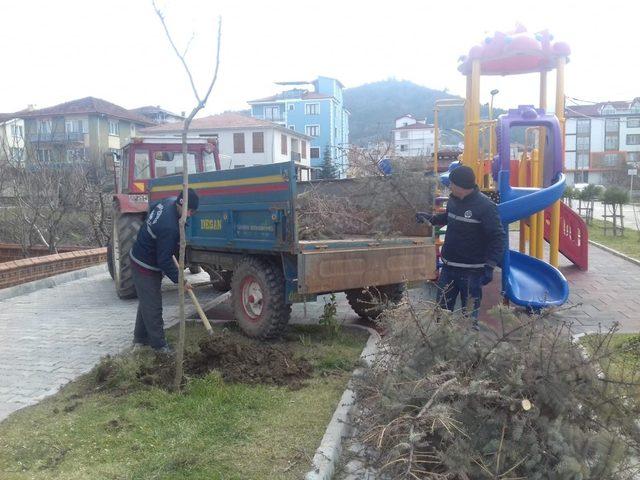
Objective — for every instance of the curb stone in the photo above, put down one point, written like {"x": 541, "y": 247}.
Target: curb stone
{"x": 328, "y": 453}
{"x": 615, "y": 252}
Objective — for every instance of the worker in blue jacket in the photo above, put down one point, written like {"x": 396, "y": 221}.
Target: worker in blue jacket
{"x": 152, "y": 256}
{"x": 473, "y": 244}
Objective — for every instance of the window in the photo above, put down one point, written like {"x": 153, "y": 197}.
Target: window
{"x": 312, "y": 130}
{"x": 610, "y": 160}
{"x": 292, "y": 127}
{"x": 283, "y": 144}
{"x": 633, "y": 122}
{"x": 133, "y": 130}
{"x": 114, "y": 127}
{"x": 44, "y": 127}
{"x": 312, "y": 109}
{"x": 404, "y": 134}
{"x": 238, "y": 143}
{"x": 581, "y": 177}
{"x": 74, "y": 155}
{"x": 611, "y": 125}
{"x": 291, "y": 107}
{"x": 582, "y": 160}
{"x": 45, "y": 155}
{"x": 258, "y": 142}
{"x": 17, "y": 154}
{"x": 17, "y": 131}
{"x": 303, "y": 147}
{"x": 612, "y": 135}
{"x": 74, "y": 126}
{"x": 173, "y": 164}
{"x": 315, "y": 152}
{"x": 141, "y": 169}
{"x": 583, "y": 126}
{"x": 272, "y": 113}
{"x": 582, "y": 143}
{"x": 611, "y": 143}
{"x": 635, "y": 108}
{"x": 403, "y": 148}
{"x": 608, "y": 110}
{"x": 209, "y": 162}
{"x": 633, "y": 139}
{"x": 633, "y": 157}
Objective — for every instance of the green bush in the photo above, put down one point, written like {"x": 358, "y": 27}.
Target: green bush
{"x": 590, "y": 192}
{"x": 616, "y": 195}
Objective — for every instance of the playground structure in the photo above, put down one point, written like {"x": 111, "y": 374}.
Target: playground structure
{"x": 528, "y": 188}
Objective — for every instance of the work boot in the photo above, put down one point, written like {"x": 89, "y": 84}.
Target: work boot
{"x": 166, "y": 350}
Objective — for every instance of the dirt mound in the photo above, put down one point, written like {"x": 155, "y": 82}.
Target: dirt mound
{"x": 245, "y": 361}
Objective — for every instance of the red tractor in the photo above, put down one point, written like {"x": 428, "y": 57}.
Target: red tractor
{"x": 142, "y": 160}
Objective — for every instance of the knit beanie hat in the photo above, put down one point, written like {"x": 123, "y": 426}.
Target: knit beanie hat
{"x": 463, "y": 177}
{"x": 193, "y": 199}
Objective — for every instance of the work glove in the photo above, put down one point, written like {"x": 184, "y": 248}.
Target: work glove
{"x": 423, "y": 217}
{"x": 487, "y": 275}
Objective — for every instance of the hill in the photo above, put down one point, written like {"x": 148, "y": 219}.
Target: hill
{"x": 375, "y": 106}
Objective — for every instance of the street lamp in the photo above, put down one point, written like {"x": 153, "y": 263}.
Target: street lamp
{"x": 493, "y": 93}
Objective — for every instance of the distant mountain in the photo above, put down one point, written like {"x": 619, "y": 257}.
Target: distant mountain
{"x": 375, "y": 106}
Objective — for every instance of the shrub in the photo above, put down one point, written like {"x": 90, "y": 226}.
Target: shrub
{"x": 446, "y": 403}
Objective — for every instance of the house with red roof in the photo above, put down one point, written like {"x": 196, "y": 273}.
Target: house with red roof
{"x": 412, "y": 137}
{"x": 244, "y": 141}
{"x": 76, "y": 131}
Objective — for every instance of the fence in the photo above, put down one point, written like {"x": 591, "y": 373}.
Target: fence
{"x": 25, "y": 270}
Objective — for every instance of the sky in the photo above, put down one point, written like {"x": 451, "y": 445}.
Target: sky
{"x": 56, "y": 51}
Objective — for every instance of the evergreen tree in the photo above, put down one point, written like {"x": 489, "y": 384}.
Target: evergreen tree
{"x": 329, "y": 170}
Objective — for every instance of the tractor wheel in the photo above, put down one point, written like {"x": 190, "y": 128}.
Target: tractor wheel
{"x": 125, "y": 231}
{"x": 258, "y": 298}
{"x": 110, "y": 259}
{"x": 194, "y": 269}
{"x": 370, "y": 302}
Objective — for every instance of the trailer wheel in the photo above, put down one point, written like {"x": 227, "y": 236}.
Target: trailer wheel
{"x": 370, "y": 302}
{"x": 258, "y": 298}
{"x": 125, "y": 231}
{"x": 110, "y": 259}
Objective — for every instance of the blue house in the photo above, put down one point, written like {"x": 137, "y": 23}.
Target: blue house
{"x": 319, "y": 113}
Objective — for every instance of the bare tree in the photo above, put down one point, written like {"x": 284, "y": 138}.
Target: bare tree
{"x": 201, "y": 102}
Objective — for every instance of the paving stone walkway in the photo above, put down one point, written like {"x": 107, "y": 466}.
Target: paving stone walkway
{"x": 53, "y": 335}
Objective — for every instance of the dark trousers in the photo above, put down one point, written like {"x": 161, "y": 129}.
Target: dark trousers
{"x": 455, "y": 281}
{"x": 149, "y": 329}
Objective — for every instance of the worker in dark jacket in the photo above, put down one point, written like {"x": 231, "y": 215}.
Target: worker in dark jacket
{"x": 152, "y": 256}
{"x": 473, "y": 244}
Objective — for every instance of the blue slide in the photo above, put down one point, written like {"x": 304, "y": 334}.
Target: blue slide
{"x": 527, "y": 281}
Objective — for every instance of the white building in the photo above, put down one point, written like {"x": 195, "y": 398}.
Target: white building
{"x": 412, "y": 137}
{"x": 12, "y": 140}
{"x": 243, "y": 141}
{"x": 602, "y": 141}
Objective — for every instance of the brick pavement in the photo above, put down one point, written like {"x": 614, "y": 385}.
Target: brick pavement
{"x": 53, "y": 335}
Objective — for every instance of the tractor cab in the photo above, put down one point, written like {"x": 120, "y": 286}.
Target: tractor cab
{"x": 146, "y": 158}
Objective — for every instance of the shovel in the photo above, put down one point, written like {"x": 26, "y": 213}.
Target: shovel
{"x": 203, "y": 316}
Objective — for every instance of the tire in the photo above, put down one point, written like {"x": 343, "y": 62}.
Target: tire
{"x": 110, "y": 258}
{"x": 371, "y": 302}
{"x": 125, "y": 231}
{"x": 194, "y": 269}
{"x": 258, "y": 298}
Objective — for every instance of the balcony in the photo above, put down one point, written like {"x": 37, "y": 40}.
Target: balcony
{"x": 56, "y": 137}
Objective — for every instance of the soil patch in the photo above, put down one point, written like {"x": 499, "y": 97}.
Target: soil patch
{"x": 245, "y": 361}
{"x": 237, "y": 358}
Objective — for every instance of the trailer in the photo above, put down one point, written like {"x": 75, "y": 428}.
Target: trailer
{"x": 245, "y": 228}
